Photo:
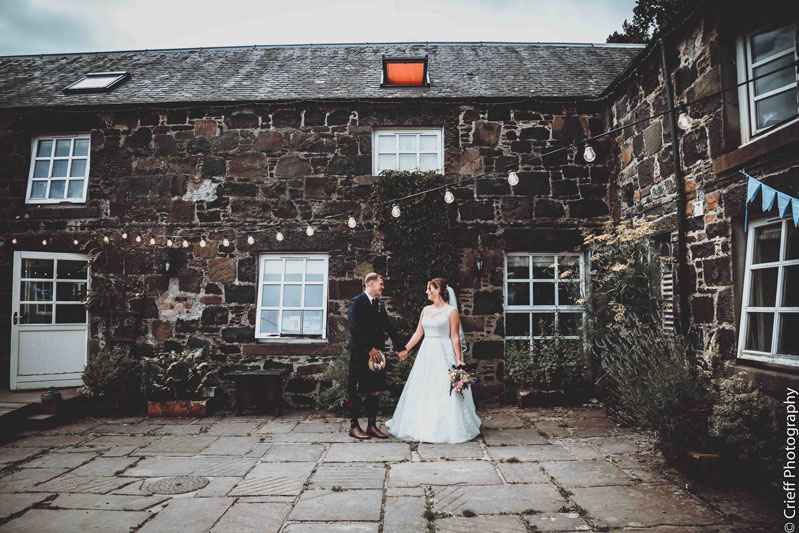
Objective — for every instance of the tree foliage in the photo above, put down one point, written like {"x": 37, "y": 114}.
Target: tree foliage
{"x": 649, "y": 17}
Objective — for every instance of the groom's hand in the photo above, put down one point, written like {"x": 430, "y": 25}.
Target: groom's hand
{"x": 374, "y": 355}
{"x": 402, "y": 355}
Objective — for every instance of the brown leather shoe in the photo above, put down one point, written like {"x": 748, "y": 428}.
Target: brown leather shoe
{"x": 376, "y": 433}
{"x": 357, "y": 433}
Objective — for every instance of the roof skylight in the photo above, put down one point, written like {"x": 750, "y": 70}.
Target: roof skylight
{"x": 97, "y": 82}
{"x": 405, "y": 72}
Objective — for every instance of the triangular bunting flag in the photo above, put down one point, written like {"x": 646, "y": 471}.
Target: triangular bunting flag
{"x": 752, "y": 186}
{"x": 769, "y": 195}
{"x": 783, "y": 202}
{"x": 795, "y": 205}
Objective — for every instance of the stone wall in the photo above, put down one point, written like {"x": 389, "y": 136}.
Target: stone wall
{"x": 219, "y": 172}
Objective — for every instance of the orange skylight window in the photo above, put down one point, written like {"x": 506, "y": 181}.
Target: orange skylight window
{"x": 405, "y": 72}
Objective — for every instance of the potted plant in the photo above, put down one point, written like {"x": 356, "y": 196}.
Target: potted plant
{"x": 173, "y": 383}
{"x": 112, "y": 380}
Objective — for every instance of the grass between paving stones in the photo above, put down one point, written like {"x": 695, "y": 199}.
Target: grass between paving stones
{"x": 429, "y": 514}
{"x": 468, "y": 513}
{"x": 511, "y": 460}
{"x": 574, "y": 508}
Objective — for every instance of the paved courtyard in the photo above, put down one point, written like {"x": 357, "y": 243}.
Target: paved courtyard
{"x": 531, "y": 470}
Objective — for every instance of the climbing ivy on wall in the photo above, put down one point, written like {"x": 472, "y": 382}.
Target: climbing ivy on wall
{"x": 420, "y": 245}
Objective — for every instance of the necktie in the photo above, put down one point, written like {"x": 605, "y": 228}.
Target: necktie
{"x": 374, "y": 304}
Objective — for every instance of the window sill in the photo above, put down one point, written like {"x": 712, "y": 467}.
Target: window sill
{"x": 289, "y": 340}
{"x": 755, "y": 148}
{"x": 58, "y": 211}
{"x": 779, "y": 361}
{"x": 290, "y": 347}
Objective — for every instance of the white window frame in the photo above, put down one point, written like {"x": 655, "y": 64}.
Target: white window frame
{"x": 303, "y": 338}
{"x": 438, "y": 132}
{"x": 746, "y": 97}
{"x": 532, "y": 308}
{"x": 772, "y": 357}
{"x": 55, "y": 138}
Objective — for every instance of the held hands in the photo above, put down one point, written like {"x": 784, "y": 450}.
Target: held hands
{"x": 402, "y": 355}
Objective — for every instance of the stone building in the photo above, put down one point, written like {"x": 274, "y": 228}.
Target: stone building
{"x": 216, "y": 146}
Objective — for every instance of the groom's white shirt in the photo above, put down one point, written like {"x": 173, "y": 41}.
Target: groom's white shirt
{"x": 370, "y": 297}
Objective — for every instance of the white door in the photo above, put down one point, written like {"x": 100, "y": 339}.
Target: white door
{"x": 49, "y": 320}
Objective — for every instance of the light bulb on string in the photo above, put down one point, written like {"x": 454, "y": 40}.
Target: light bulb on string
{"x": 106, "y": 239}
{"x": 138, "y": 238}
{"x": 225, "y": 242}
{"x": 14, "y": 240}
{"x": 309, "y": 230}
{"x": 169, "y": 243}
{"x": 185, "y": 243}
{"x": 351, "y": 222}
{"x": 152, "y": 241}
{"x": 124, "y": 234}
{"x": 513, "y": 178}
{"x": 589, "y": 154}
{"x": 202, "y": 243}
{"x": 250, "y": 239}
{"x": 448, "y": 196}
{"x": 75, "y": 242}
{"x": 395, "y": 211}
{"x": 44, "y": 242}
{"x": 684, "y": 121}
{"x": 279, "y": 236}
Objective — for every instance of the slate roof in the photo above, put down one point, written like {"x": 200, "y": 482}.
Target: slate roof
{"x": 325, "y": 72}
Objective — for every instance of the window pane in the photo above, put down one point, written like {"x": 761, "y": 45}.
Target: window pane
{"x": 62, "y": 147}
{"x": 314, "y": 270}
{"x": 518, "y": 267}
{"x": 57, "y": 188}
{"x": 792, "y": 248}
{"x": 313, "y": 296}
{"x": 568, "y": 293}
{"x": 518, "y": 294}
{"x": 78, "y": 169}
{"x": 428, "y": 143}
{"x": 407, "y": 161}
{"x": 81, "y": 148}
{"x": 70, "y": 314}
{"x": 386, "y": 143}
{"x": 68, "y": 269}
{"x": 543, "y": 324}
{"x": 761, "y": 326}
{"x": 292, "y": 295}
{"x": 771, "y": 42}
{"x": 784, "y": 73}
{"x": 569, "y": 324}
{"x": 543, "y": 267}
{"x": 269, "y": 321}
{"x": 774, "y": 109}
{"x": 517, "y": 324}
{"x": 41, "y": 169}
{"x": 37, "y": 268}
{"x": 36, "y": 314}
{"x": 36, "y": 291}
{"x": 39, "y": 189}
{"x": 75, "y": 189}
{"x": 568, "y": 267}
{"x": 70, "y": 292}
{"x": 270, "y": 296}
{"x": 312, "y": 322}
{"x": 790, "y": 295}
{"x": 789, "y": 340}
{"x": 294, "y": 269}
{"x": 60, "y": 167}
{"x": 767, "y": 244}
{"x": 543, "y": 293}
{"x": 407, "y": 143}
{"x": 291, "y": 322}
{"x": 45, "y": 149}
{"x": 273, "y": 270}
{"x": 386, "y": 162}
{"x": 764, "y": 287}
{"x": 428, "y": 161}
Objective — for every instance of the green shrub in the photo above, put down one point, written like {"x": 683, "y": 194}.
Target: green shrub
{"x": 554, "y": 363}
{"x": 111, "y": 374}
{"x": 175, "y": 375}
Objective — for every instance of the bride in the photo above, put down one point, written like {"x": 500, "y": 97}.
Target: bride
{"x": 426, "y": 411}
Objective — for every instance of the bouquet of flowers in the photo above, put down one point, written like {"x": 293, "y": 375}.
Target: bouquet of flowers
{"x": 460, "y": 378}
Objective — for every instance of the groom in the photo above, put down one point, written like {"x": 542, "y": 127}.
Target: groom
{"x": 368, "y": 323}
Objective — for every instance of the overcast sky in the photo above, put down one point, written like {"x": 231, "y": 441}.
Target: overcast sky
{"x": 53, "y": 26}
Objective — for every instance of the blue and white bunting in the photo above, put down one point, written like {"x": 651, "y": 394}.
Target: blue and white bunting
{"x": 769, "y": 196}
{"x": 783, "y": 203}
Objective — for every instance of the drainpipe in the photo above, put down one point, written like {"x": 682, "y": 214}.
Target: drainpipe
{"x": 682, "y": 264}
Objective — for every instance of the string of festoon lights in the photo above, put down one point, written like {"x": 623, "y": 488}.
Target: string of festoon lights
{"x": 684, "y": 122}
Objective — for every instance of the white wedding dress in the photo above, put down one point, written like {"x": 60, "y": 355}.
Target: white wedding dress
{"x": 426, "y": 411}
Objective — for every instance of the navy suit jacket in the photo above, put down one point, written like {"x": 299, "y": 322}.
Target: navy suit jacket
{"x": 368, "y": 327}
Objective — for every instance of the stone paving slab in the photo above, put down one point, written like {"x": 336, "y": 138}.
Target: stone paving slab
{"x": 181, "y": 429}
{"x": 112, "y": 428}
{"x": 12, "y": 455}
{"x": 231, "y": 428}
{"x": 643, "y": 506}
{"x": 325, "y": 505}
{"x": 552, "y": 428}
{"x": 294, "y": 453}
{"x": 218, "y": 486}
{"x": 503, "y": 499}
{"x": 276, "y": 426}
{"x": 280, "y": 479}
{"x": 311, "y": 437}
{"x": 75, "y": 521}
{"x": 191, "y": 466}
{"x": 105, "y": 466}
{"x": 586, "y": 473}
{"x": 107, "y": 502}
{"x": 231, "y": 446}
{"x": 579, "y": 448}
{"x": 318, "y": 427}
{"x": 501, "y": 420}
{"x": 512, "y": 437}
{"x": 349, "y": 476}
{"x": 466, "y": 450}
{"x": 332, "y": 527}
{"x": 60, "y": 460}
{"x": 188, "y": 515}
{"x": 13, "y": 503}
{"x": 253, "y": 518}
{"x": 181, "y": 445}
{"x": 537, "y": 452}
{"x": 443, "y": 473}
{"x": 493, "y": 524}
{"x": 47, "y": 441}
{"x": 27, "y": 478}
{"x": 522, "y": 473}
{"x": 72, "y": 483}
{"x": 343, "y": 452}
{"x": 403, "y": 514}
{"x": 547, "y": 522}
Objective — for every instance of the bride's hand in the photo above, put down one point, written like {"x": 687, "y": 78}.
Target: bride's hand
{"x": 460, "y": 363}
